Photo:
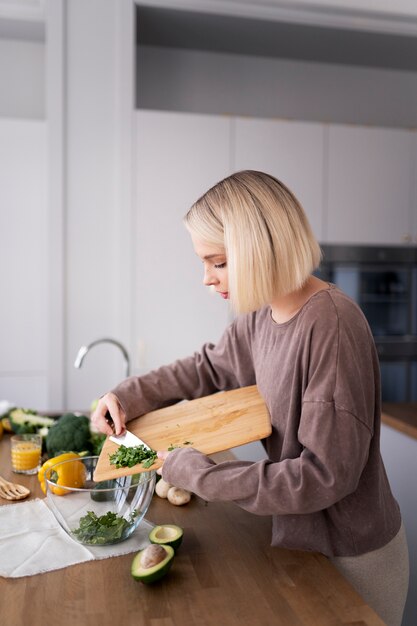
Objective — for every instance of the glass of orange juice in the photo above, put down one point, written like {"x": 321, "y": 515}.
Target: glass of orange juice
{"x": 26, "y": 453}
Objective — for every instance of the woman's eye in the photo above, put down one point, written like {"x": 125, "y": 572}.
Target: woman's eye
{"x": 220, "y": 266}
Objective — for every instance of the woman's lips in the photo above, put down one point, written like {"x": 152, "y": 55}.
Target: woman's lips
{"x": 224, "y": 294}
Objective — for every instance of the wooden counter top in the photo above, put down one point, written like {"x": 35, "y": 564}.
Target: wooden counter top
{"x": 224, "y": 574}
{"x": 402, "y": 416}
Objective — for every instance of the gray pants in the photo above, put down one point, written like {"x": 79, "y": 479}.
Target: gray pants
{"x": 380, "y": 577}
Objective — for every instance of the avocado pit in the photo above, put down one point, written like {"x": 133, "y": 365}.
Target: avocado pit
{"x": 152, "y": 555}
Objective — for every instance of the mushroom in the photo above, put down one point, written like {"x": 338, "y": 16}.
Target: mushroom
{"x": 178, "y": 496}
{"x": 162, "y": 488}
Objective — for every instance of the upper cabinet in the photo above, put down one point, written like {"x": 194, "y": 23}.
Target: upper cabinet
{"x": 292, "y": 152}
{"x": 369, "y": 185}
{"x": 357, "y": 184}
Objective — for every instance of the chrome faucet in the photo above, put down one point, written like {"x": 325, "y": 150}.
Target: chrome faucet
{"x": 84, "y": 349}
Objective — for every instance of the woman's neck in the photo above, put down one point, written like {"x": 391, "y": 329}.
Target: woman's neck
{"x": 285, "y": 307}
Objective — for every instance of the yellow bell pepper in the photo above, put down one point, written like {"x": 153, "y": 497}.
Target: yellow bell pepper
{"x": 66, "y": 475}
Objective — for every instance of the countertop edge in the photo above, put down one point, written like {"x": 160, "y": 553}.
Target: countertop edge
{"x": 401, "y": 417}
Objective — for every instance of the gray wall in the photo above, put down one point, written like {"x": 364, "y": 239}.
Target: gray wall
{"x": 216, "y": 83}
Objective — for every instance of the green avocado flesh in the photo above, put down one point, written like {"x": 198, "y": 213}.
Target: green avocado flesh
{"x": 168, "y": 535}
{"x": 152, "y": 574}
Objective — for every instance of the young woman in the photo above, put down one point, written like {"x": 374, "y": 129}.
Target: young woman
{"x": 310, "y": 351}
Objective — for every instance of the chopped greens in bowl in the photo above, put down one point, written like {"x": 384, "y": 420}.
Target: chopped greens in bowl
{"x": 100, "y": 513}
{"x": 103, "y": 530}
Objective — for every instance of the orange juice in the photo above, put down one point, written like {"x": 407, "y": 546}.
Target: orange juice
{"x": 26, "y": 453}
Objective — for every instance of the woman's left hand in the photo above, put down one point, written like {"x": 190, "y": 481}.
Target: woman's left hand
{"x": 161, "y": 454}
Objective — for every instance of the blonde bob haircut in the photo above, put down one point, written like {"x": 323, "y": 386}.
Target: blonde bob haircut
{"x": 269, "y": 245}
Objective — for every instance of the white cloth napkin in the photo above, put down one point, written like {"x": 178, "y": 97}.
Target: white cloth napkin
{"x": 32, "y": 541}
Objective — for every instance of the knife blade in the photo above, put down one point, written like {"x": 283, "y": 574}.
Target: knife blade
{"x": 129, "y": 440}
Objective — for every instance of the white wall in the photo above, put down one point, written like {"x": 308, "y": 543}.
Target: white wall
{"x": 78, "y": 223}
{"x": 178, "y": 157}
{"x": 92, "y": 295}
{"x": 23, "y": 262}
{"x": 22, "y": 79}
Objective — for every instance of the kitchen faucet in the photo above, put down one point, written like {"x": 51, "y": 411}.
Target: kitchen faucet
{"x": 84, "y": 349}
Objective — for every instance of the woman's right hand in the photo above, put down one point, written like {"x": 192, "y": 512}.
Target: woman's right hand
{"x": 109, "y": 404}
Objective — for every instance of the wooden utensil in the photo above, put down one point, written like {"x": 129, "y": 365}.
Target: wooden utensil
{"x": 211, "y": 424}
{"x": 12, "y": 491}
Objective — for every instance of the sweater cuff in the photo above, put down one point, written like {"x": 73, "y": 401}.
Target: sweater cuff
{"x": 182, "y": 464}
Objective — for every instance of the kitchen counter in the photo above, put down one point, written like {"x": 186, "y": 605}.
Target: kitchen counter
{"x": 402, "y": 416}
{"x": 225, "y": 573}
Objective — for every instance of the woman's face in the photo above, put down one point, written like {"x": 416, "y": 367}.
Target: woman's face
{"x": 215, "y": 266}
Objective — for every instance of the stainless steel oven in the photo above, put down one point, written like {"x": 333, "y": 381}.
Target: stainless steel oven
{"x": 383, "y": 281}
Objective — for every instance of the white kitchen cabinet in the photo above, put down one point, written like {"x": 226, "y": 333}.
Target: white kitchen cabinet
{"x": 291, "y": 151}
{"x": 369, "y": 185}
{"x": 178, "y": 157}
{"x": 23, "y": 262}
{"x": 399, "y": 453}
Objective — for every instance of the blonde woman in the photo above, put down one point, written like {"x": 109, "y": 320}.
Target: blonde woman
{"x": 310, "y": 351}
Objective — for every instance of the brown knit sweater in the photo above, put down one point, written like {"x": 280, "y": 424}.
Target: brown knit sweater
{"x": 324, "y": 481}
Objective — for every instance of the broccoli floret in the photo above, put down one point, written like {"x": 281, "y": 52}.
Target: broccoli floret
{"x": 71, "y": 433}
{"x": 96, "y": 443}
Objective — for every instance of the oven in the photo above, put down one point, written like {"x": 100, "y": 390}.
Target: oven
{"x": 383, "y": 281}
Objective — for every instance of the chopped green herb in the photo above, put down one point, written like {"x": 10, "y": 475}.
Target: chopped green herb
{"x": 107, "y": 528}
{"x": 185, "y": 443}
{"x": 148, "y": 462}
{"x": 128, "y": 457}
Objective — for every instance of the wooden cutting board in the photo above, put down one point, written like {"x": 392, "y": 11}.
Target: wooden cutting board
{"x": 211, "y": 424}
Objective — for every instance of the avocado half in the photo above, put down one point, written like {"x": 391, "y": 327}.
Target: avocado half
{"x": 151, "y": 574}
{"x": 167, "y": 534}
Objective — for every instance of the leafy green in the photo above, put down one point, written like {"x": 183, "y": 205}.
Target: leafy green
{"x": 96, "y": 443}
{"x": 107, "y": 528}
{"x": 70, "y": 433}
{"x": 148, "y": 462}
{"x": 28, "y": 421}
{"x": 128, "y": 457}
{"x": 174, "y": 446}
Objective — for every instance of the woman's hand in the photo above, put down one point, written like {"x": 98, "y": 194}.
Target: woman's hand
{"x": 161, "y": 454}
{"x": 109, "y": 404}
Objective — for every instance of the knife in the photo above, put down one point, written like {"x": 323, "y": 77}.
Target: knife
{"x": 128, "y": 439}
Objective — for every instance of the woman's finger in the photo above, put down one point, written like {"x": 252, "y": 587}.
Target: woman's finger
{"x": 116, "y": 414}
{"x": 109, "y": 405}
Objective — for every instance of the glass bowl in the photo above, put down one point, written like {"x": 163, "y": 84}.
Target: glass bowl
{"x": 97, "y": 513}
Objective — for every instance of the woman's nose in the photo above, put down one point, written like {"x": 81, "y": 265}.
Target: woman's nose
{"x": 209, "y": 278}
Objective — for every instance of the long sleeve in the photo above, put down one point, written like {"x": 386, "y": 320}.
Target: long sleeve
{"x": 226, "y": 365}
{"x": 327, "y": 470}
{"x": 319, "y": 385}
{"x": 324, "y": 481}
